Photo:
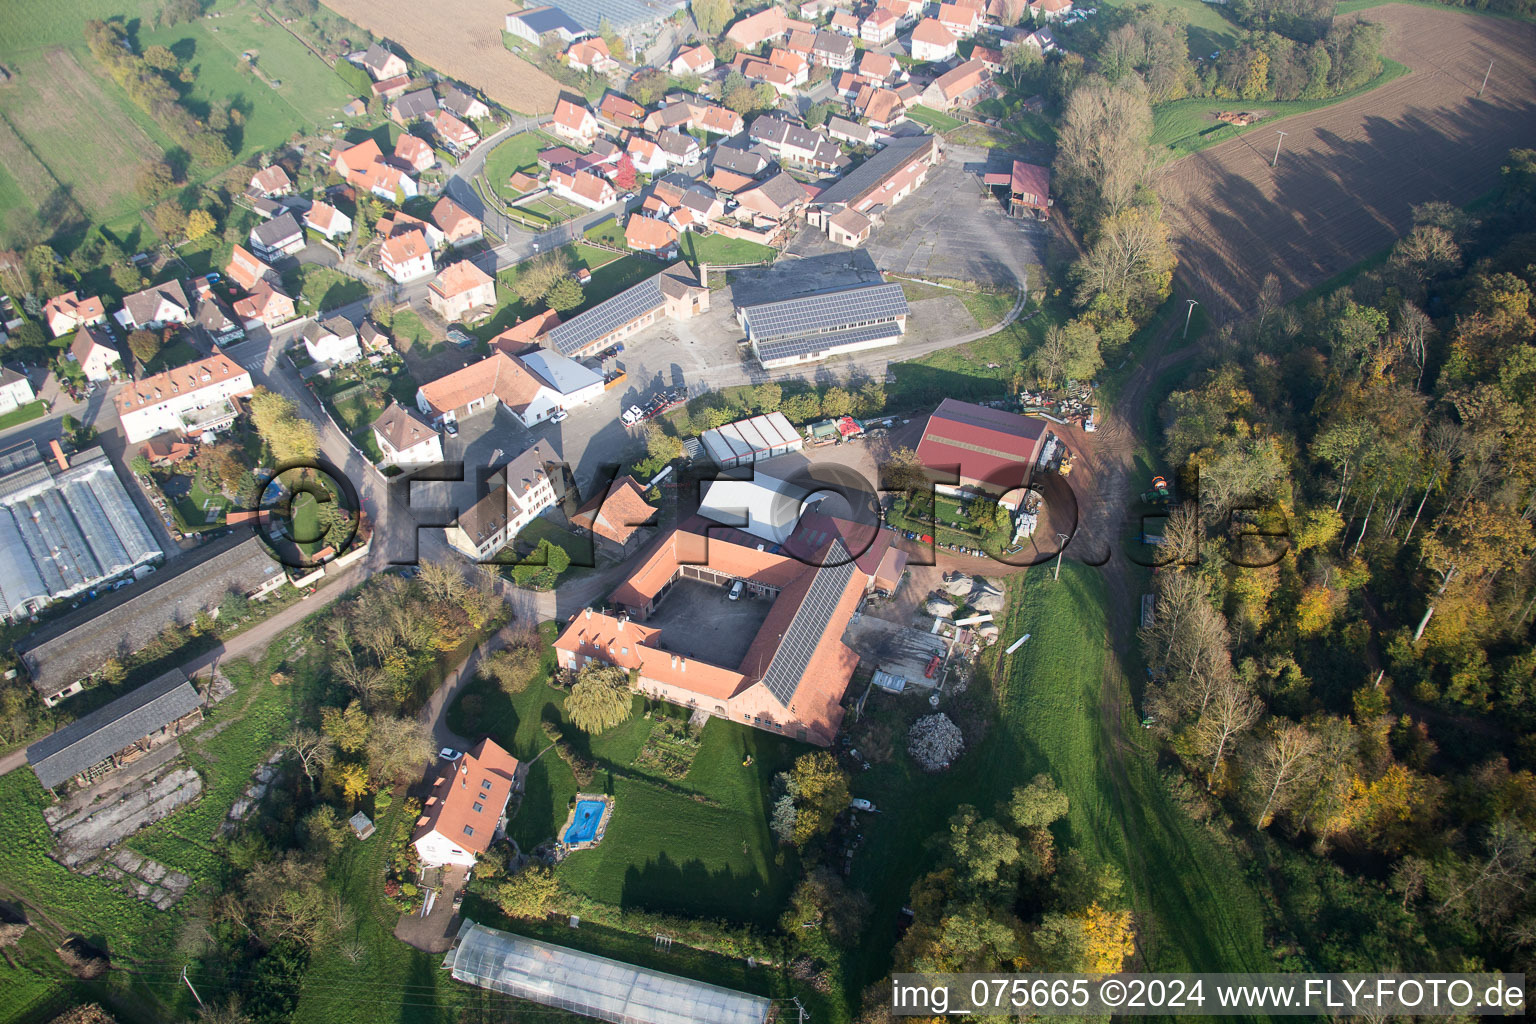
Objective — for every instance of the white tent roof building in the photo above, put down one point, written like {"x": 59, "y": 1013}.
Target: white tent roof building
{"x": 752, "y": 440}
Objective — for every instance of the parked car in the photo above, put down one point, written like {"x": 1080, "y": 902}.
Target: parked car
{"x": 451, "y": 428}
{"x": 632, "y": 415}
{"x": 559, "y": 416}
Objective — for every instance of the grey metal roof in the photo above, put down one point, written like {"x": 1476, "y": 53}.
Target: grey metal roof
{"x": 65, "y": 533}
{"x": 561, "y": 373}
{"x": 591, "y": 985}
{"x": 97, "y": 736}
{"x": 872, "y": 173}
{"x": 77, "y": 644}
{"x": 828, "y": 311}
{"x": 809, "y": 623}
{"x": 822, "y": 345}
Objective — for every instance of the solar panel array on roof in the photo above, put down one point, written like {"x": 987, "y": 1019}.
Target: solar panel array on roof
{"x": 824, "y": 344}
{"x": 576, "y": 334}
{"x": 829, "y": 311}
{"x": 799, "y": 642}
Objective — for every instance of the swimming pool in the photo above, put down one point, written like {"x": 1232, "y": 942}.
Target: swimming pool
{"x": 589, "y": 813}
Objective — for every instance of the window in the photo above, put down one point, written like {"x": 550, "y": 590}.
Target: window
{"x": 479, "y": 808}
{"x": 485, "y": 783}
{"x": 469, "y": 831}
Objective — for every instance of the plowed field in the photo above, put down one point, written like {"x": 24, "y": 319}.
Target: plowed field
{"x": 1349, "y": 175}
{"x": 461, "y": 38}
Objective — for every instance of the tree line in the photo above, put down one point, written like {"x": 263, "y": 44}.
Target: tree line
{"x": 1364, "y": 705}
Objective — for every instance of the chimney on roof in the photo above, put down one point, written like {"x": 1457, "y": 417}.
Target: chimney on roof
{"x": 589, "y": 612}
{"x": 682, "y": 664}
{"x": 59, "y": 456}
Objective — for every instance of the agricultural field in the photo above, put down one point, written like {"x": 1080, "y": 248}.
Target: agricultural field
{"x": 62, "y": 119}
{"x": 461, "y": 38}
{"x": 1349, "y": 174}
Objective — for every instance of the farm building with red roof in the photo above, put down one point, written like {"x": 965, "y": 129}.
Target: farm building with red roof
{"x": 969, "y": 445}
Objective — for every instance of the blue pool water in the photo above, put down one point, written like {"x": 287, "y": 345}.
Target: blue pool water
{"x": 588, "y": 814}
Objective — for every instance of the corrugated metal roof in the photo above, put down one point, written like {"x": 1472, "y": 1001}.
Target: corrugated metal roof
{"x": 102, "y": 733}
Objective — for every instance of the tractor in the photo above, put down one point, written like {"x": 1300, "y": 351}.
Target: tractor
{"x": 1159, "y": 494}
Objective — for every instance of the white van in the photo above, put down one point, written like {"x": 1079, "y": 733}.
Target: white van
{"x": 735, "y": 593}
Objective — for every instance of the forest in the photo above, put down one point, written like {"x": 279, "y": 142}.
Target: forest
{"x": 1358, "y": 704}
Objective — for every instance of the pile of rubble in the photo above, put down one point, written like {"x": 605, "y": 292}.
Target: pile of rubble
{"x": 261, "y": 781}
{"x": 149, "y": 880}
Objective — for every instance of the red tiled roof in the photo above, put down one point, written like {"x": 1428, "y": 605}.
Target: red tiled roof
{"x": 571, "y": 115}
{"x": 482, "y": 778}
{"x": 649, "y": 234}
{"x": 181, "y": 381}
{"x": 617, "y": 513}
{"x": 497, "y": 374}
{"x": 1031, "y": 181}
{"x": 933, "y": 32}
{"x": 458, "y": 278}
{"x": 519, "y": 338}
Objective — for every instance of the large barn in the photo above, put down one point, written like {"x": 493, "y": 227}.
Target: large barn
{"x": 972, "y": 446}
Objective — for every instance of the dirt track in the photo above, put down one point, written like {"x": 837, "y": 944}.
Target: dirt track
{"x": 461, "y": 38}
{"x": 1349, "y": 174}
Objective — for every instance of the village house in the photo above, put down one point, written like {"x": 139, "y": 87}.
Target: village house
{"x": 265, "y": 305}
{"x": 798, "y": 67}
{"x": 851, "y": 132}
{"x": 647, "y": 234}
{"x": 522, "y": 336}
{"x": 271, "y": 182}
{"x": 406, "y": 256}
{"x": 455, "y": 134}
{"x": 69, "y": 312}
{"x": 844, "y": 24}
{"x": 907, "y": 11}
{"x": 797, "y": 144}
{"x": 679, "y": 150}
{"x": 614, "y": 112}
{"x": 414, "y": 154}
{"x": 15, "y": 390}
{"x": 881, "y": 68}
{"x": 582, "y": 187}
{"x": 693, "y": 60}
{"x": 405, "y": 439}
{"x": 95, "y": 351}
{"x": 398, "y": 222}
{"x": 155, "y": 307}
{"x": 574, "y": 122}
{"x": 463, "y": 104}
{"x": 465, "y": 807}
{"x": 458, "y": 225}
{"x": 591, "y": 55}
{"x": 461, "y": 289}
{"x": 833, "y": 50}
{"x": 962, "y": 21}
{"x": 963, "y": 86}
{"x": 332, "y": 341}
{"x": 617, "y": 516}
{"x": 245, "y": 270}
{"x": 364, "y": 167}
{"x": 880, "y": 108}
{"x": 328, "y": 220}
{"x": 760, "y": 72}
{"x": 771, "y": 206}
{"x": 413, "y": 107}
{"x": 519, "y": 491}
{"x": 192, "y": 400}
{"x": 1050, "y": 10}
{"x": 212, "y": 317}
{"x": 391, "y": 88}
{"x": 380, "y": 62}
{"x": 278, "y": 237}
{"x": 931, "y": 41}
{"x": 1029, "y": 190}
{"x": 646, "y": 155}
{"x": 879, "y": 27}
{"x": 765, "y": 26}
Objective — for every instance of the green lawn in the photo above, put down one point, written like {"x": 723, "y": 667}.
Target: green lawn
{"x": 935, "y": 119}
{"x": 519, "y": 153}
{"x": 178, "y": 353}
{"x": 714, "y": 249}
{"x": 607, "y": 232}
{"x": 1187, "y": 126}
{"x": 23, "y": 414}
{"x": 322, "y": 288}
{"x": 963, "y": 371}
{"x": 193, "y": 508}
{"x": 700, "y": 847}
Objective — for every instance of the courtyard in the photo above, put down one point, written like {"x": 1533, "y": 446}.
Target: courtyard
{"x": 699, "y": 620}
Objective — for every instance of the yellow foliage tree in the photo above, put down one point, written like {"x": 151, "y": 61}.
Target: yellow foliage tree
{"x": 1315, "y": 610}
{"x": 1256, "y": 78}
{"x": 199, "y": 224}
{"x": 353, "y": 779}
{"x": 1111, "y": 939}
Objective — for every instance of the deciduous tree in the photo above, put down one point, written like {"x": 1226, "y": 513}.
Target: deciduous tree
{"x": 600, "y": 698}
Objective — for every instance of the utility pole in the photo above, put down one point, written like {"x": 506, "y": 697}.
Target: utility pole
{"x": 1189, "y": 311}
{"x": 1281, "y": 139}
{"x": 1485, "y": 80}
{"x": 200, "y": 1004}
{"x": 1063, "y": 538}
